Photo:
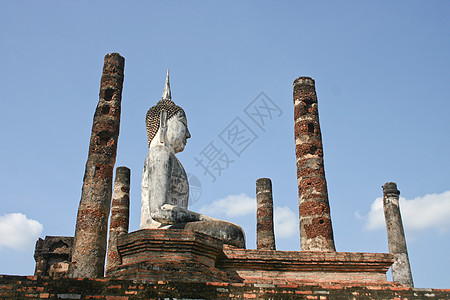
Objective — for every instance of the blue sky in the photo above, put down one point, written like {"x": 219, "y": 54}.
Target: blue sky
{"x": 382, "y": 78}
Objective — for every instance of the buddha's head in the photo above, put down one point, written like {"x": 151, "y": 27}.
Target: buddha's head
{"x": 168, "y": 120}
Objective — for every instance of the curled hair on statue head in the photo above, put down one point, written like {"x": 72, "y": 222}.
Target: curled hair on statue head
{"x": 153, "y": 118}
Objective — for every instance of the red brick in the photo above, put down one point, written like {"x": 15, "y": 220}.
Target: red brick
{"x": 114, "y": 287}
{"x": 289, "y": 286}
{"x": 131, "y": 292}
{"x": 5, "y": 287}
{"x": 303, "y": 292}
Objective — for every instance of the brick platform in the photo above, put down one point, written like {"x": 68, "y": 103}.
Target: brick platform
{"x": 269, "y": 266}
{"x": 181, "y": 264}
{"x": 158, "y": 254}
{"x": 32, "y": 287}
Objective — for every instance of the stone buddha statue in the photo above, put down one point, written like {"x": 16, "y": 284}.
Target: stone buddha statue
{"x": 165, "y": 186}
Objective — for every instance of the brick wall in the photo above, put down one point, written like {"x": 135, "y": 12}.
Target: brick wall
{"x": 32, "y": 287}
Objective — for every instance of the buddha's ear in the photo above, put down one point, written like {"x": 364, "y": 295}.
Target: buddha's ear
{"x": 163, "y": 125}
{"x": 163, "y": 118}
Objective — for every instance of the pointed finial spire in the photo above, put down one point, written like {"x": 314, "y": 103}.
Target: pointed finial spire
{"x": 166, "y": 93}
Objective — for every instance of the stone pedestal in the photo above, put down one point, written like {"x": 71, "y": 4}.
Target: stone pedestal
{"x": 168, "y": 254}
{"x": 153, "y": 255}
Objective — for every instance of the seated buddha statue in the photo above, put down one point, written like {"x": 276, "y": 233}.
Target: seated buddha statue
{"x": 165, "y": 186}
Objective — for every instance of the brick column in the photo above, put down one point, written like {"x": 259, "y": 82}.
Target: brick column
{"x": 316, "y": 232}
{"x": 88, "y": 256}
{"x": 265, "y": 238}
{"x": 401, "y": 270}
{"x": 120, "y": 215}
{"x": 41, "y": 260}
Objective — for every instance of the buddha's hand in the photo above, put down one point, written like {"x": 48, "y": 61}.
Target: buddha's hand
{"x": 190, "y": 215}
{"x": 168, "y": 207}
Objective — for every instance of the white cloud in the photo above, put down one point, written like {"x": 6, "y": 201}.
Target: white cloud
{"x": 431, "y": 211}
{"x": 286, "y": 222}
{"x": 375, "y": 218}
{"x": 18, "y": 232}
{"x": 231, "y": 206}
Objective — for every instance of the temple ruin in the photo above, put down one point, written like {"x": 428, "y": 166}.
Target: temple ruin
{"x": 180, "y": 254}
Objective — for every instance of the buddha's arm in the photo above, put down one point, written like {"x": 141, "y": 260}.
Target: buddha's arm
{"x": 159, "y": 172}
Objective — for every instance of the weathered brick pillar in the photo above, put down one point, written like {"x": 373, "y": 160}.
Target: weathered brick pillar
{"x": 316, "y": 232}
{"x": 401, "y": 270}
{"x": 120, "y": 215}
{"x": 41, "y": 260}
{"x": 89, "y": 249}
{"x": 265, "y": 238}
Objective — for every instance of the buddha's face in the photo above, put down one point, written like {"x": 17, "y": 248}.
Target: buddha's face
{"x": 178, "y": 132}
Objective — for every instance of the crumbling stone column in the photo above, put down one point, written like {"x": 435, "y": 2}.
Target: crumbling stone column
{"x": 401, "y": 270}
{"x": 120, "y": 215}
{"x": 265, "y": 238}
{"x": 316, "y": 232}
{"x": 89, "y": 249}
